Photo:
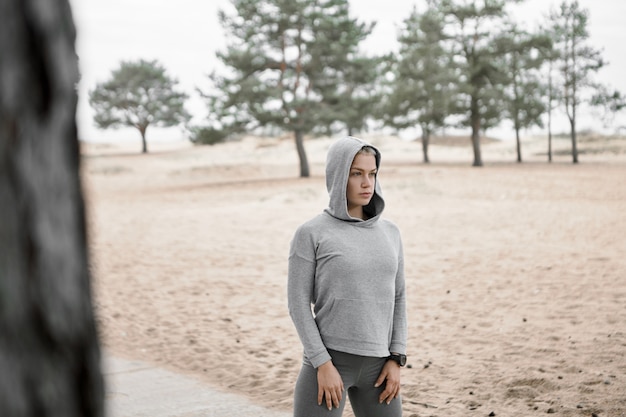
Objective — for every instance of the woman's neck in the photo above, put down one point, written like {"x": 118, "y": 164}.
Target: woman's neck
{"x": 357, "y": 212}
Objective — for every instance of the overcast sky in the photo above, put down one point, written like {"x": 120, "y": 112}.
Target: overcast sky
{"x": 184, "y": 35}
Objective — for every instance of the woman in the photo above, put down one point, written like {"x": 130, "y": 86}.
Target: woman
{"x": 347, "y": 263}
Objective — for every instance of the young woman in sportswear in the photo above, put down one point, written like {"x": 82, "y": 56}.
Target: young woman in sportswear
{"x": 346, "y": 294}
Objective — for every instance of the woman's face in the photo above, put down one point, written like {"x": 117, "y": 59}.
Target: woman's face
{"x": 361, "y": 181}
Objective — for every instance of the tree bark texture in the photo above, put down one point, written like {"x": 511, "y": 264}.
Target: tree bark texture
{"x": 475, "y": 122}
{"x": 144, "y": 143}
{"x": 572, "y": 122}
{"x": 49, "y": 352}
{"x": 573, "y": 136}
{"x": 518, "y": 144}
{"x": 425, "y": 143}
{"x": 304, "y": 163}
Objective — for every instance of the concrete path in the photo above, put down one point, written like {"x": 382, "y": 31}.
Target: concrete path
{"x": 136, "y": 389}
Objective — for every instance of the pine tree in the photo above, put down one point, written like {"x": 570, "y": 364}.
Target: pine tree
{"x": 474, "y": 28}
{"x": 289, "y": 65}
{"x": 423, "y": 88}
{"x": 524, "y": 54}
{"x": 349, "y": 94}
{"x": 553, "y": 94}
{"x": 577, "y": 60}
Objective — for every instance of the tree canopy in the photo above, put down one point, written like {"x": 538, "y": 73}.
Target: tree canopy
{"x": 423, "y": 86}
{"x": 294, "y": 65}
{"x": 525, "y": 54}
{"x": 467, "y": 64}
{"x": 139, "y": 94}
{"x": 577, "y": 61}
{"x": 298, "y": 66}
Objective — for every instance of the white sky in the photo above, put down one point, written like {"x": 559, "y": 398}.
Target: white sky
{"x": 184, "y": 34}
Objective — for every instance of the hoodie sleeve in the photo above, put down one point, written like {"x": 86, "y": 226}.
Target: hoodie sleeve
{"x": 399, "y": 333}
{"x": 300, "y": 288}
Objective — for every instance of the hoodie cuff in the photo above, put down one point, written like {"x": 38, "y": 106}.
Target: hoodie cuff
{"x": 320, "y": 359}
{"x": 397, "y": 348}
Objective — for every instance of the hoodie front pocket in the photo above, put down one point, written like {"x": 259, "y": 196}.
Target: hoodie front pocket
{"x": 366, "y": 322}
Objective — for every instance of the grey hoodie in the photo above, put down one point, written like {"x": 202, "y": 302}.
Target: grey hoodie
{"x": 351, "y": 271}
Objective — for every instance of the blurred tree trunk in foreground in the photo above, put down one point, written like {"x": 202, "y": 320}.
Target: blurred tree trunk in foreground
{"x": 49, "y": 352}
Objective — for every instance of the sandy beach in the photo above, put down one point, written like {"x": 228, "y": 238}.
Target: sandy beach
{"x": 516, "y": 273}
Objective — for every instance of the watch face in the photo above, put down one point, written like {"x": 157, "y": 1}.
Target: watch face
{"x": 400, "y": 359}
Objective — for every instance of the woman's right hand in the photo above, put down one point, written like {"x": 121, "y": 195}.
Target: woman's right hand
{"x": 329, "y": 385}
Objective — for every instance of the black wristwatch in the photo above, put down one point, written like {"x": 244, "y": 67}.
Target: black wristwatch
{"x": 398, "y": 358}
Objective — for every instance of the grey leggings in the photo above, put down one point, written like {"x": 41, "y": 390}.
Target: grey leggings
{"x": 359, "y": 373}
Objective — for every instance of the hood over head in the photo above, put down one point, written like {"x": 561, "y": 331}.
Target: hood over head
{"x": 338, "y": 161}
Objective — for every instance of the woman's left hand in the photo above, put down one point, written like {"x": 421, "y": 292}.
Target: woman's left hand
{"x": 390, "y": 375}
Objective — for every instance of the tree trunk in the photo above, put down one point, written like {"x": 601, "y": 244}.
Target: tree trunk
{"x": 572, "y": 122}
{"x": 425, "y": 143}
{"x": 475, "y": 119}
{"x": 49, "y": 352}
{"x": 478, "y": 162}
{"x": 550, "y": 94}
{"x": 144, "y": 143}
{"x": 518, "y": 145}
{"x": 549, "y": 145}
{"x": 572, "y": 119}
{"x": 550, "y": 131}
{"x": 574, "y": 145}
{"x": 304, "y": 163}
